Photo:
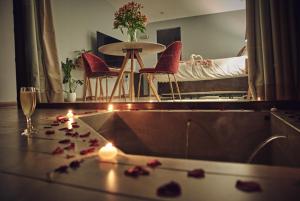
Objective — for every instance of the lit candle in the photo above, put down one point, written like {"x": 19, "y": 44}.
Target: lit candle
{"x": 108, "y": 151}
{"x": 70, "y": 114}
{"x": 258, "y": 98}
{"x": 110, "y": 108}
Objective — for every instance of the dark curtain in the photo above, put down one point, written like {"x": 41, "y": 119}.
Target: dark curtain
{"x": 273, "y": 49}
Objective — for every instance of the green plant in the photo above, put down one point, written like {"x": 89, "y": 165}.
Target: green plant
{"x": 67, "y": 68}
{"x": 129, "y": 16}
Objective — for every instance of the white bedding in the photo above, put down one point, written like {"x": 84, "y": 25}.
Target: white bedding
{"x": 221, "y": 68}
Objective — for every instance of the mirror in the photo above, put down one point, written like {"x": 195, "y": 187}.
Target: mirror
{"x": 212, "y": 63}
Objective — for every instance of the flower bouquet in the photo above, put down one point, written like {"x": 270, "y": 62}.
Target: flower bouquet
{"x": 130, "y": 17}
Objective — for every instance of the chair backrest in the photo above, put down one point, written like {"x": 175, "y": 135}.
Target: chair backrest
{"x": 169, "y": 59}
{"x": 93, "y": 64}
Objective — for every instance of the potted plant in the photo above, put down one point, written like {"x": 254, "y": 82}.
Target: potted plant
{"x": 72, "y": 84}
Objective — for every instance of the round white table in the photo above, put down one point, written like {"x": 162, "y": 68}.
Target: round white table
{"x": 132, "y": 50}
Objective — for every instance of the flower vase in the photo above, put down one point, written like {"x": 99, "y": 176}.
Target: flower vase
{"x": 132, "y": 36}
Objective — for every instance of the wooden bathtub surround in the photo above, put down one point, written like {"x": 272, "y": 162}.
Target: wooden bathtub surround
{"x": 25, "y": 162}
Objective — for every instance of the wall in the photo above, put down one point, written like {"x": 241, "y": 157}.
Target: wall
{"x": 212, "y": 36}
{"x": 7, "y": 53}
{"x": 76, "y": 23}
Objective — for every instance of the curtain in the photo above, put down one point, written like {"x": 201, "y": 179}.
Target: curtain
{"x": 40, "y": 51}
{"x": 273, "y": 49}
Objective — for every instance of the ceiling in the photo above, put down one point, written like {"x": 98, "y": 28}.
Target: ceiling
{"x": 159, "y": 10}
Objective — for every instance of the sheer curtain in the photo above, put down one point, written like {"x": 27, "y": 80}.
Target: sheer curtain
{"x": 273, "y": 49}
{"x": 41, "y": 52}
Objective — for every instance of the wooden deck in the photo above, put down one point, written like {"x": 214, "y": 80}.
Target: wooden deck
{"x": 25, "y": 163}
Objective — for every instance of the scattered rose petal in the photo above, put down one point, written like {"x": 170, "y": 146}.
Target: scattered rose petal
{"x": 87, "y": 134}
{"x": 74, "y": 123}
{"x": 248, "y": 186}
{"x": 94, "y": 143}
{"x": 87, "y": 151}
{"x": 47, "y": 126}
{"x": 74, "y": 164}
{"x": 69, "y": 156}
{"x": 63, "y": 129}
{"x": 70, "y": 146}
{"x": 171, "y": 189}
{"x": 136, "y": 171}
{"x": 57, "y": 151}
{"x": 75, "y": 126}
{"x": 76, "y": 134}
{"x": 197, "y": 173}
{"x": 55, "y": 124}
{"x": 62, "y": 169}
{"x": 50, "y": 132}
{"x": 153, "y": 163}
{"x": 65, "y": 141}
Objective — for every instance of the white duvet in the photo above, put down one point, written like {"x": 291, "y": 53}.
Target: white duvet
{"x": 221, "y": 68}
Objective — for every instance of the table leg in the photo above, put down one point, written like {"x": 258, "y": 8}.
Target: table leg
{"x": 120, "y": 75}
{"x": 132, "y": 92}
{"x": 152, "y": 87}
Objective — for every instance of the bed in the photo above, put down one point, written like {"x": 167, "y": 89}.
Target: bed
{"x": 221, "y": 76}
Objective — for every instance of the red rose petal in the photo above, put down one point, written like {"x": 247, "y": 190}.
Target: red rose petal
{"x": 62, "y": 169}
{"x": 50, "y": 132}
{"x": 55, "y": 124}
{"x": 153, "y": 163}
{"x": 171, "y": 189}
{"x": 87, "y": 151}
{"x": 87, "y": 134}
{"x": 65, "y": 141}
{"x": 248, "y": 186}
{"x": 74, "y": 164}
{"x": 57, "y": 151}
{"x": 70, "y": 147}
{"x": 74, "y": 123}
{"x": 47, "y": 126}
{"x": 136, "y": 171}
{"x": 197, "y": 173}
{"x": 75, "y": 126}
{"x": 69, "y": 156}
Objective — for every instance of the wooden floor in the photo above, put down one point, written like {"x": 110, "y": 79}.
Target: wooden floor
{"x": 25, "y": 163}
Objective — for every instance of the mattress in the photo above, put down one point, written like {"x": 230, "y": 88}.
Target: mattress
{"x": 220, "y": 69}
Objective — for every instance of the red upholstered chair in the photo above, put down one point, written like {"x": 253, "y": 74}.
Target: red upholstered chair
{"x": 167, "y": 64}
{"x": 96, "y": 68}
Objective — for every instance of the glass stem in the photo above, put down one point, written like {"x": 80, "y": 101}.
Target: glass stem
{"x": 29, "y": 125}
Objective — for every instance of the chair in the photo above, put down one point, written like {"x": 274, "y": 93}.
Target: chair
{"x": 96, "y": 68}
{"x": 168, "y": 64}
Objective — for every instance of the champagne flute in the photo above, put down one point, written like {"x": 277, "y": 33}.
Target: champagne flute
{"x": 28, "y": 103}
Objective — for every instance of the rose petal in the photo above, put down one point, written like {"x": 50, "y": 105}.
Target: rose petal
{"x": 62, "y": 169}
{"x": 47, "y": 126}
{"x": 153, "y": 163}
{"x": 69, "y": 156}
{"x": 65, "y": 141}
{"x": 87, "y": 134}
{"x": 50, "y": 132}
{"x": 136, "y": 171}
{"x": 57, "y": 151}
{"x": 171, "y": 189}
{"x": 197, "y": 173}
{"x": 75, "y": 126}
{"x": 74, "y": 164}
{"x": 70, "y": 147}
{"x": 248, "y": 186}
{"x": 87, "y": 151}
{"x": 55, "y": 124}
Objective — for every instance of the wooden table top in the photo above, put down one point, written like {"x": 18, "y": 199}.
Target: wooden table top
{"x": 117, "y": 49}
{"x": 25, "y": 163}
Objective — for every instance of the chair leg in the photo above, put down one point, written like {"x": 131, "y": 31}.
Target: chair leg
{"x": 85, "y": 87}
{"x": 90, "y": 88}
{"x": 106, "y": 88}
{"x": 96, "y": 89}
{"x": 178, "y": 91}
{"x": 123, "y": 89}
{"x": 139, "y": 86}
{"x": 101, "y": 89}
{"x": 171, "y": 87}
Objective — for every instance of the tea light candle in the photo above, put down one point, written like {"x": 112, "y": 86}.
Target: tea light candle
{"x": 108, "y": 151}
{"x": 258, "y": 99}
{"x": 70, "y": 114}
{"x": 110, "y": 108}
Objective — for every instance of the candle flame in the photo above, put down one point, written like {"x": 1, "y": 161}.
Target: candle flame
{"x": 110, "y": 108}
{"x": 258, "y": 98}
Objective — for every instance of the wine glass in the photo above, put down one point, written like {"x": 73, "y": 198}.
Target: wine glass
{"x": 28, "y": 103}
